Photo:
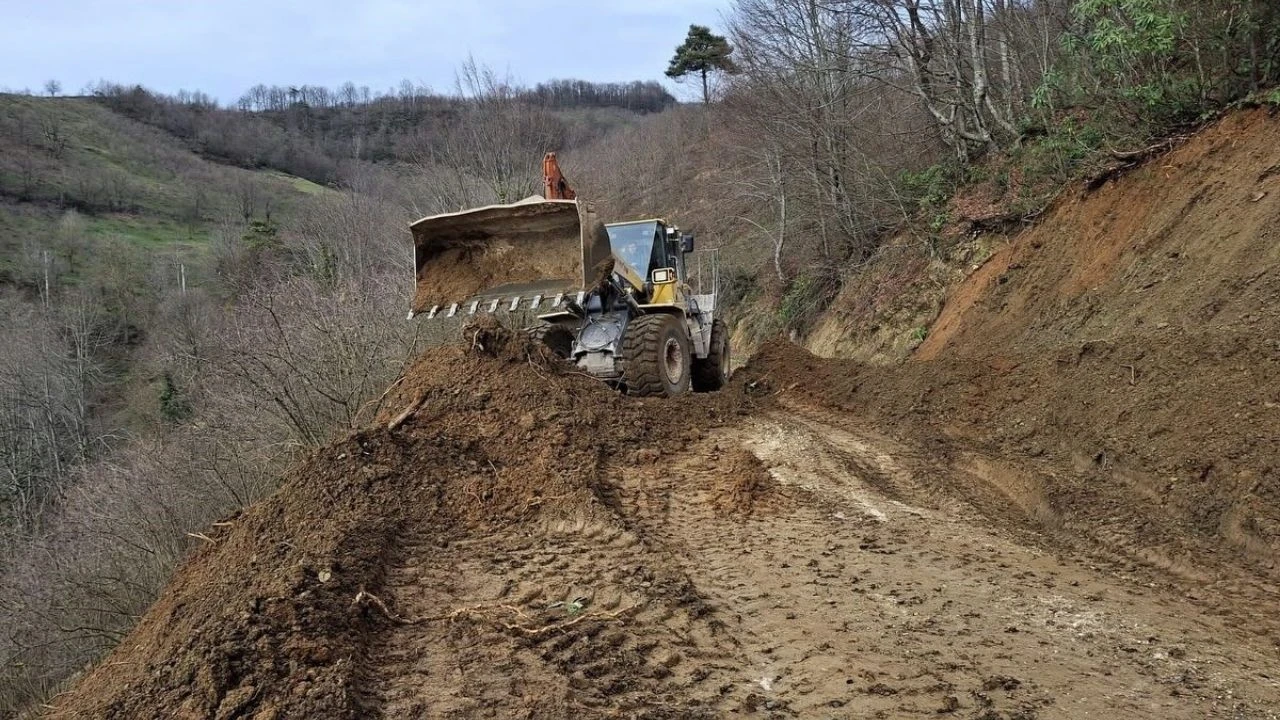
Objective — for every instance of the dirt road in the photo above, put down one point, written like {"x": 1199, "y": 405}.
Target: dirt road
{"x": 513, "y": 541}
{"x": 854, "y": 582}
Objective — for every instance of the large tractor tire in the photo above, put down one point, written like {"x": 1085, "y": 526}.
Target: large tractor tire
{"x": 556, "y": 337}
{"x": 657, "y": 356}
{"x": 712, "y": 372}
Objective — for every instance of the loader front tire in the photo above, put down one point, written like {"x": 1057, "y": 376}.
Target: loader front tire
{"x": 656, "y": 356}
{"x": 558, "y": 338}
{"x": 712, "y": 372}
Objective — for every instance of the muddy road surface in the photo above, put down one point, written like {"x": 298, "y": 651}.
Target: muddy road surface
{"x": 514, "y": 540}
{"x": 844, "y": 576}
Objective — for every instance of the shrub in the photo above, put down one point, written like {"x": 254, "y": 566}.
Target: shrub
{"x": 806, "y": 297}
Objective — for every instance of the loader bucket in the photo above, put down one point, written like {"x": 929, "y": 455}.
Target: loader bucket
{"x": 533, "y": 246}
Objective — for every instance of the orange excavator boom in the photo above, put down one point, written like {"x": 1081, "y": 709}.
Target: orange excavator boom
{"x": 555, "y": 186}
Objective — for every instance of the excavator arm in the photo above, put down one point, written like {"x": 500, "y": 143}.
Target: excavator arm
{"x": 555, "y": 186}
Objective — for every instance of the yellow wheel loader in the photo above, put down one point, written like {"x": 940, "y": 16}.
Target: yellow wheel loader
{"x": 613, "y": 299}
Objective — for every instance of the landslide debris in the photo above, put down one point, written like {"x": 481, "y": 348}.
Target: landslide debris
{"x": 286, "y": 609}
{"x": 1127, "y": 348}
{"x": 530, "y": 242}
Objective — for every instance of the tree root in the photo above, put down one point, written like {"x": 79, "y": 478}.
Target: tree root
{"x": 407, "y": 412}
{"x": 365, "y": 598}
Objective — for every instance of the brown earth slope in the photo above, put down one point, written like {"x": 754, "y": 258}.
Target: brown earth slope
{"x": 527, "y": 544}
{"x": 351, "y": 579}
{"x": 1128, "y": 349}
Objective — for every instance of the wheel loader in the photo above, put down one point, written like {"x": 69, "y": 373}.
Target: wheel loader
{"x": 613, "y": 299}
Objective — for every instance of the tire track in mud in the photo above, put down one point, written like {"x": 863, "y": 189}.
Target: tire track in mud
{"x": 972, "y": 489}
{"x": 1023, "y": 500}
{"x": 868, "y": 580}
{"x": 865, "y": 585}
{"x": 1020, "y": 500}
{"x": 572, "y": 618}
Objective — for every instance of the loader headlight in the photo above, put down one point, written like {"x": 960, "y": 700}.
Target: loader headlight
{"x": 662, "y": 276}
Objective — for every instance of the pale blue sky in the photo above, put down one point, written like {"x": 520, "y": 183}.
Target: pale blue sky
{"x": 224, "y": 47}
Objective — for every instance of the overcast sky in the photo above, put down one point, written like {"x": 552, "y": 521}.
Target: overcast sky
{"x": 223, "y": 47}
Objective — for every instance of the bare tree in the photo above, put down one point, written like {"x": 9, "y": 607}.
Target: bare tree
{"x": 809, "y": 95}
{"x": 942, "y": 46}
{"x": 48, "y": 379}
{"x": 193, "y": 209}
{"x": 52, "y": 88}
{"x": 248, "y": 192}
{"x": 28, "y": 173}
{"x": 55, "y": 137}
{"x": 496, "y": 143}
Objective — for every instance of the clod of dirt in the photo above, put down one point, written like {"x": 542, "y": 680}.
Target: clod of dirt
{"x": 602, "y": 272}
{"x": 485, "y": 335}
{"x": 1001, "y": 682}
{"x": 742, "y": 485}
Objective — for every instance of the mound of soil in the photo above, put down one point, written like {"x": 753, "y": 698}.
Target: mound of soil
{"x": 455, "y": 274}
{"x": 743, "y": 482}
{"x": 308, "y": 604}
{"x": 1129, "y": 344}
{"x": 529, "y": 248}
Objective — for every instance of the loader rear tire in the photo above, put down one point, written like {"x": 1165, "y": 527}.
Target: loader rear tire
{"x": 712, "y": 372}
{"x": 656, "y": 356}
{"x": 556, "y": 337}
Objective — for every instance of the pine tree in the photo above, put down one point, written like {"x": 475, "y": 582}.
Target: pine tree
{"x": 703, "y": 53}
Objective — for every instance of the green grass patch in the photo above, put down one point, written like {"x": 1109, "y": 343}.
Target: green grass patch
{"x": 805, "y": 299}
{"x": 19, "y": 223}
{"x": 302, "y": 185}
{"x": 147, "y": 231}
{"x": 105, "y": 164}
{"x": 1265, "y": 98}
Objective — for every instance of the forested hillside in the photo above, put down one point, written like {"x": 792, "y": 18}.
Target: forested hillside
{"x": 193, "y": 296}
{"x": 196, "y": 292}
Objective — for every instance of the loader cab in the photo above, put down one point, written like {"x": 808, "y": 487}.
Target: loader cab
{"x": 644, "y": 247}
{"x": 678, "y": 245}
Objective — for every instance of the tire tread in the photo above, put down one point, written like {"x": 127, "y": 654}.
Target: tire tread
{"x": 706, "y": 371}
{"x": 641, "y": 371}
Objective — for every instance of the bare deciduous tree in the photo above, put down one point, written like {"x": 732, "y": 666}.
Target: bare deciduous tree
{"x": 808, "y": 97}
{"x": 54, "y": 134}
{"x": 248, "y": 194}
{"x": 493, "y": 151}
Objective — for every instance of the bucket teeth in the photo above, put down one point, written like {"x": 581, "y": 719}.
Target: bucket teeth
{"x": 491, "y": 305}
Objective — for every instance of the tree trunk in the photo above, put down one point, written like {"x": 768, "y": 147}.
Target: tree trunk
{"x": 782, "y": 229}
